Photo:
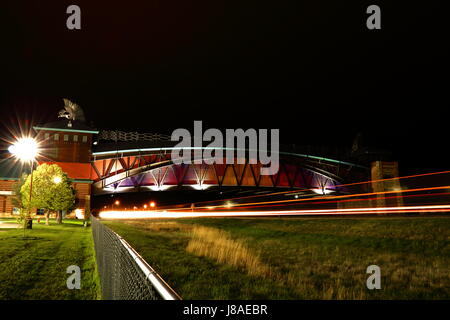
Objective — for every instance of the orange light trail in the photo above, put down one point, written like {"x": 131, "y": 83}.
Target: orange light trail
{"x": 341, "y": 201}
{"x": 322, "y": 198}
{"x": 339, "y": 186}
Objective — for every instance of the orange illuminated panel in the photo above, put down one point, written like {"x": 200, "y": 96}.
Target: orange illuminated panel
{"x": 73, "y": 169}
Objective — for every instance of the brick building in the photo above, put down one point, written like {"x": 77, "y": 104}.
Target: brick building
{"x": 67, "y": 143}
{"x": 9, "y": 174}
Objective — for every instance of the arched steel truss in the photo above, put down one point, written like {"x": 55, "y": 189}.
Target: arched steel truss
{"x": 153, "y": 169}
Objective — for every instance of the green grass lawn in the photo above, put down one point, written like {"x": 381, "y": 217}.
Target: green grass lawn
{"x": 308, "y": 258}
{"x": 35, "y": 267}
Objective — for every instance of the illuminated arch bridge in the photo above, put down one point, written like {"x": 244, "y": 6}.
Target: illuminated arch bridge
{"x": 116, "y": 169}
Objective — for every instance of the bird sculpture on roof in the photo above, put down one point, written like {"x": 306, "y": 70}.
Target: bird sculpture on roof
{"x": 72, "y": 111}
{"x": 357, "y": 143}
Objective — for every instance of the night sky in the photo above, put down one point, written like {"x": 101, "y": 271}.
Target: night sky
{"x": 310, "y": 68}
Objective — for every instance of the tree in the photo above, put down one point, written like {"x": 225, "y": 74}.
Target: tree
{"x": 16, "y": 199}
{"x": 52, "y": 191}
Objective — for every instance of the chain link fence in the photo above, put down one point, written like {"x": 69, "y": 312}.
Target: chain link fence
{"x": 124, "y": 274}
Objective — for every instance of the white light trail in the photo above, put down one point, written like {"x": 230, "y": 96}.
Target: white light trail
{"x": 116, "y": 214}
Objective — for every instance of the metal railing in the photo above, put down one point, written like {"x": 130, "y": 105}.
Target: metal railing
{"x": 124, "y": 274}
{"x": 131, "y": 136}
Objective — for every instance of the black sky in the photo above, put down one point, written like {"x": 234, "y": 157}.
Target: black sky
{"x": 310, "y": 68}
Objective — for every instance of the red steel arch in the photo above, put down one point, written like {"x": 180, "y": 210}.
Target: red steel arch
{"x": 154, "y": 170}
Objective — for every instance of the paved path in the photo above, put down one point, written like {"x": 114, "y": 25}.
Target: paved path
{"x": 7, "y": 225}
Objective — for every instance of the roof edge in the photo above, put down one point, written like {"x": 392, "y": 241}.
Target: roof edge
{"x": 65, "y": 130}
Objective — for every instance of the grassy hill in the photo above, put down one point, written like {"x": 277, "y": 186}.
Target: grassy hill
{"x": 296, "y": 258}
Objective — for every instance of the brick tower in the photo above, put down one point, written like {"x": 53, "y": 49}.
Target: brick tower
{"x": 68, "y": 143}
{"x": 387, "y": 172}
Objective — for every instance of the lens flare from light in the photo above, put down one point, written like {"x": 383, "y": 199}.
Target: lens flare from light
{"x": 25, "y": 149}
{"x": 322, "y": 191}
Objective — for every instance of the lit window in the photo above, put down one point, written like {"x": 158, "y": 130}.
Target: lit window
{"x": 66, "y": 137}
{"x": 56, "y": 136}
{"x": 84, "y": 138}
{"x": 75, "y": 138}
{"x": 47, "y": 136}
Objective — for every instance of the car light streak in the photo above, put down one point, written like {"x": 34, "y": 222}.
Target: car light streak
{"x": 325, "y": 198}
{"x": 193, "y": 214}
{"x": 339, "y": 186}
{"x": 330, "y": 201}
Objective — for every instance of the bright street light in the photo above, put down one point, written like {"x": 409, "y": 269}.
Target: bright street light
{"x": 25, "y": 149}
{"x": 57, "y": 180}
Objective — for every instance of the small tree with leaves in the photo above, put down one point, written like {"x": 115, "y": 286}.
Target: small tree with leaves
{"x": 16, "y": 199}
{"x": 52, "y": 191}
